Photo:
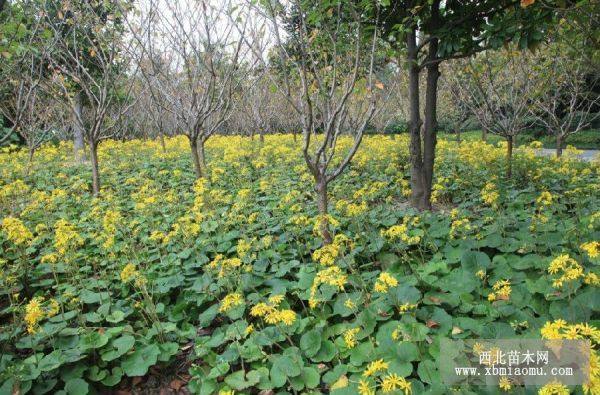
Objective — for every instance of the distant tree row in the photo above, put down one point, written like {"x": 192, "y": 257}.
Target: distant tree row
{"x": 90, "y": 70}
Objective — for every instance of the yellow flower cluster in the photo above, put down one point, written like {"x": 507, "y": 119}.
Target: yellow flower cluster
{"x": 459, "y": 226}
{"x": 332, "y": 276}
{"x": 545, "y": 199}
{"x": 501, "y": 291}
{"x": 15, "y": 188}
{"x": 224, "y": 266}
{"x": 559, "y": 329}
{"x": 437, "y": 190}
{"x": 376, "y": 366}
{"x": 111, "y": 220}
{"x": 350, "y": 337}
{"x": 490, "y": 195}
{"x": 130, "y": 272}
{"x": 328, "y": 219}
{"x": 566, "y": 269}
{"x": 145, "y": 197}
{"x": 401, "y": 232}
{"x": 35, "y": 312}
{"x": 554, "y": 388}
{"x": 299, "y": 220}
{"x": 271, "y": 313}
{"x": 16, "y": 231}
{"x": 66, "y": 237}
{"x": 327, "y": 254}
{"x": 504, "y": 384}
{"x": 390, "y": 382}
{"x": 351, "y": 209}
{"x": 384, "y": 282}
{"x": 243, "y": 248}
{"x": 592, "y": 248}
{"x": 188, "y": 226}
{"x": 405, "y": 307}
{"x": 231, "y": 301}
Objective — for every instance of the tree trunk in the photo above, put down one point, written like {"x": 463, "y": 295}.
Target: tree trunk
{"x": 261, "y": 137}
{"x": 483, "y": 135}
{"x": 196, "y": 157}
{"x": 29, "y": 161}
{"x": 161, "y": 137}
{"x": 78, "y": 141}
{"x": 509, "y": 152}
{"x": 202, "y": 157}
{"x": 323, "y": 210}
{"x": 414, "y": 126}
{"x": 95, "y": 168}
{"x": 430, "y": 127}
{"x": 559, "y": 145}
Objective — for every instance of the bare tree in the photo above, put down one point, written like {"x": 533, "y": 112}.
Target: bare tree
{"x": 91, "y": 53}
{"x": 319, "y": 70}
{"x": 496, "y": 91}
{"x": 23, "y": 76}
{"x": 564, "y": 98}
{"x": 194, "y": 57}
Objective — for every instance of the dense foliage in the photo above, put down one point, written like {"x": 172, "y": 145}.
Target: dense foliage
{"x": 224, "y": 281}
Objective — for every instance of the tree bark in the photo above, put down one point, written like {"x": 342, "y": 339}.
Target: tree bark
{"x": 430, "y": 127}
{"x": 483, "y": 135}
{"x": 509, "y": 153}
{"x": 322, "y": 205}
{"x": 196, "y": 158}
{"x": 29, "y": 161}
{"x": 559, "y": 145}
{"x": 95, "y": 168}
{"x": 414, "y": 126}
{"x": 78, "y": 141}
{"x": 202, "y": 158}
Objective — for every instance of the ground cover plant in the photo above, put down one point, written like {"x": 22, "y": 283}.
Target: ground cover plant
{"x": 223, "y": 285}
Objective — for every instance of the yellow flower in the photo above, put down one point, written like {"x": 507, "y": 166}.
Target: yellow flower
{"x": 568, "y": 269}
{"x": 350, "y": 337}
{"x": 16, "y": 231}
{"x": 393, "y": 382}
{"x": 592, "y": 248}
{"x": 276, "y": 299}
{"x": 490, "y": 195}
{"x": 243, "y": 247}
{"x": 249, "y": 329}
{"x": 364, "y": 388}
{"x": 66, "y": 237}
{"x": 385, "y": 281}
{"x": 128, "y": 273}
{"x": 349, "y": 303}
{"x": 545, "y": 199}
{"x": 375, "y": 366}
{"x": 260, "y": 310}
{"x": 231, "y": 301}
{"x": 592, "y": 278}
{"x": 504, "y": 384}
{"x": 34, "y": 314}
{"x": 554, "y": 388}
{"x": 287, "y": 317}
{"x": 332, "y": 276}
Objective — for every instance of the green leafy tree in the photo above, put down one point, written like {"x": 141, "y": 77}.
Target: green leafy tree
{"x": 424, "y": 34}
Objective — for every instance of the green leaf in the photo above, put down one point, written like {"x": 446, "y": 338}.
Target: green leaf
{"x": 76, "y": 387}
{"x": 138, "y": 363}
{"x": 120, "y": 346}
{"x": 310, "y": 342}
{"x": 428, "y": 372}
